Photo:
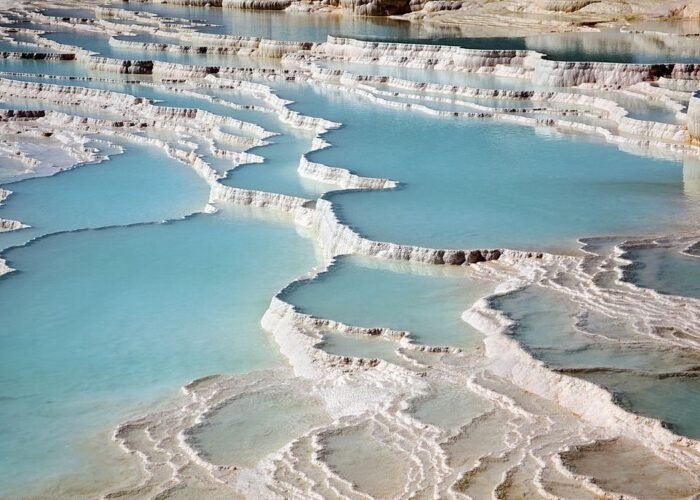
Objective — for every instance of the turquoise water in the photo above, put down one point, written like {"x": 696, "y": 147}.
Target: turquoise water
{"x": 665, "y": 270}
{"x": 97, "y": 322}
{"x": 44, "y": 67}
{"x": 468, "y": 183}
{"x": 614, "y": 46}
{"x": 449, "y": 407}
{"x": 546, "y": 326}
{"x": 359, "y": 292}
{"x": 141, "y": 185}
{"x": 278, "y": 174}
{"x": 640, "y": 107}
{"x": 9, "y": 46}
{"x": 381, "y": 473}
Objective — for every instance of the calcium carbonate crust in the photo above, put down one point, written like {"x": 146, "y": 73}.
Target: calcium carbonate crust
{"x": 357, "y": 391}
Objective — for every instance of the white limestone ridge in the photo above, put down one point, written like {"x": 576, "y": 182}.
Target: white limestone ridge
{"x": 419, "y": 56}
{"x": 569, "y": 74}
{"x": 520, "y": 63}
{"x": 37, "y": 56}
{"x": 694, "y": 116}
{"x": 11, "y": 225}
{"x": 336, "y": 238}
{"x": 586, "y": 399}
{"x": 340, "y": 176}
{"x": 511, "y": 63}
{"x": 133, "y": 107}
{"x": 613, "y": 112}
{"x": 224, "y": 45}
{"x": 279, "y": 105}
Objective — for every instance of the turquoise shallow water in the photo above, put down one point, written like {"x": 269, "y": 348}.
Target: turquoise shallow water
{"x": 442, "y": 77}
{"x": 546, "y": 326}
{"x": 44, "y": 67}
{"x": 8, "y": 46}
{"x": 141, "y": 185}
{"x": 97, "y": 322}
{"x": 468, "y": 183}
{"x": 278, "y": 173}
{"x": 359, "y": 292}
{"x": 79, "y": 13}
{"x": 247, "y": 428}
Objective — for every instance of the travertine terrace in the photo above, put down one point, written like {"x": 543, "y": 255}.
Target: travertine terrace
{"x": 537, "y": 427}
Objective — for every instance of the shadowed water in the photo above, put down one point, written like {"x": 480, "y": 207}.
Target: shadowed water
{"x": 637, "y": 375}
{"x": 665, "y": 270}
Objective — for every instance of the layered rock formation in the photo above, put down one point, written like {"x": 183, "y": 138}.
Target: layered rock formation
{"x": 533, "y": 415}
{"x": 485, "y": 11}
{"x": 694, "y": 116}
